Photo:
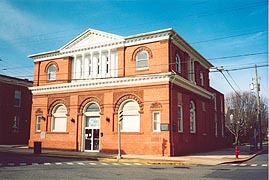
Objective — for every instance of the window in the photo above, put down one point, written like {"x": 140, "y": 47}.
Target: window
{"x": 15, "y": 124}
{"x": 180, "y": 119}
{"x": 202, "y": 78}
{"x": 192, "y": 118}
{"x": 156, "y": 121}
{"x": 38, "y": 123}
{"x": 191, "y": 70}
{"x": 17, "y": 98}
{"x": 178, "y": 65}
{"x": 59, "y": 119}
{"x": 142, "y": 60}
{"x": 131, "y": 117}
{"x": 52, "y": 72}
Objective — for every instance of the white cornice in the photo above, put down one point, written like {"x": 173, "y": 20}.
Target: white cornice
{"x": 120, "y": 42}
{"x": 184, "y": 83}
{"x": 182, "y": 44}
{"x": 121, "y": 82}
{"x": 102, "y": 83}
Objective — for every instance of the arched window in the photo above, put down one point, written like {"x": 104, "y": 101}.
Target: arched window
{"x": 178, "y": 64}
{"x": 131, "y": 117}
{"x": 142, "y": 60}
{"x": 192, "y": 117}
{"x": 59, "y": 118}
{"x": 92, "y": 114}
{"x": 93, "y": 108}
{"x": 51, "y": 72}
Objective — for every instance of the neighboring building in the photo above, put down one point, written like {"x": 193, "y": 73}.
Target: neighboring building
{"x": 158, "y": 81}
{"x": 15, "y": 110}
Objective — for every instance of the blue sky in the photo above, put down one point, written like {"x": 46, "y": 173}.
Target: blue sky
{"x": 218, "y": 29}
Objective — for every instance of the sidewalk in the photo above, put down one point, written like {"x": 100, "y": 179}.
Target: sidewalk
{"x": 216, "y": 157}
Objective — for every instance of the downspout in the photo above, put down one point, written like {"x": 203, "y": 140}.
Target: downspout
{"x": 170, "y": 100}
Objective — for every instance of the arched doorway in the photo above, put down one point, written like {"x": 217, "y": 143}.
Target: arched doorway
{"x": 91, "y": 128}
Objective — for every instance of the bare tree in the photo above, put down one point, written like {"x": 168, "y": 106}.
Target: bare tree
{"x": 241, "y": 117}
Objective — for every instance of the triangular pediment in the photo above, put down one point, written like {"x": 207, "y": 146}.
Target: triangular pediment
{"x": 90, "y": 37}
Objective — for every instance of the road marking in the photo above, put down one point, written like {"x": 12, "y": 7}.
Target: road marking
{"x": 242, "y": 164}
{"x": 138, "y": 164}
{"x": 92, "y": 163}
{"x": 116, "y": 164}
{"x": 81, "y": 163}
{"x": 23, "y": 164}
{"x": 58, "y": 163}
{"x": 35, "y": 164}
{"x": 47, "y": 164}
{"x": 127, "y": 164}
{"x": 104, "y": 164}
{"x": 70, "y": 163}
{"x": 264, "y": 165}
{"x": 254, "y": 165}
{"x": 234, "y": 164}
{"x": 11, "y": 164}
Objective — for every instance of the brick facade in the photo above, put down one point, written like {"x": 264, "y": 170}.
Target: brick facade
{"x": 109, "y": 78}
{"x": 15, "y": 110}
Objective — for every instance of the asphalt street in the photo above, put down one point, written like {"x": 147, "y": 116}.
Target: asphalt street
{"x": 17, "y": 166}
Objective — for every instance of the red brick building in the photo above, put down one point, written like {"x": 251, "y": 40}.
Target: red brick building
{"x": 15, "y": 110}
{"x": 158, "y": 81}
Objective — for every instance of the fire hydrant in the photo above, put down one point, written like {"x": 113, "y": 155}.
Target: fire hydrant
{"x": 236, "y": 152}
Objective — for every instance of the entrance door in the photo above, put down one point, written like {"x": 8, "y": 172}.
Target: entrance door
{"x": 92, "y": 133}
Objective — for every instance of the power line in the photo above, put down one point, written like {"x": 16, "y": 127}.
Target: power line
{"x": 240, "y": 55}
{"x": 227, "y": 37}
{"x": 233, "y": 80}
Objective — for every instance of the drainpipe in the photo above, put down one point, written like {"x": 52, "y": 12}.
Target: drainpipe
{"x": 172, "y": 153}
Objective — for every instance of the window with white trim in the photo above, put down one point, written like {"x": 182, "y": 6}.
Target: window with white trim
{"x": 191, "y": 70}
{"x": 38, "y": 123}
{"x": 202, "y": 78}
{"x": 156, "y": 121}
{"x": 179, "y": 118}
{"x": 192, "y": 117}
{"x": 142, "y": 60}
{"x": 59, "y": 119}
{"x": 131, "y": 117}
{"x": 51, "y": 72}
{"x": 178, "y": 64}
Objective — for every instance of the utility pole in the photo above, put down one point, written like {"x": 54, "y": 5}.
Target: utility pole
{"x": 257, "y": 89}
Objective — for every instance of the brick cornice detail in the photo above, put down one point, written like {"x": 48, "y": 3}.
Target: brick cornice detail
{"x": 84, "y": 100}
{"x": 53, "y": 101}
{"x": 142, "y": 48}
{"x": 123, "y": 96}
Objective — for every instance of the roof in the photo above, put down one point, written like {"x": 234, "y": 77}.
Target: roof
{"x": 15, "y": 81}
{"x": 94, "y": 39}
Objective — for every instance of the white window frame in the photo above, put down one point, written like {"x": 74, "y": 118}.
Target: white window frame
{"x": 139, "y": 60}
{"x": 131, "y": 118}
{"x": 38, "y": 123}
{"x": 51, "y": 72}
{"x": 180, "y": 119}
{"x": 178, "y": 63}
{"x": 57, "y": 126}
{"x": 156, "y": 121}
{"x": 191, "y": 70}
{"x": 202, "y": 78}
{"x": 192, "y": 117}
